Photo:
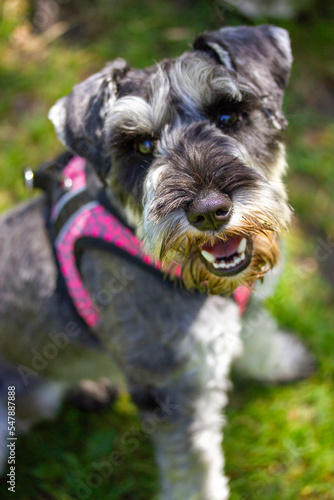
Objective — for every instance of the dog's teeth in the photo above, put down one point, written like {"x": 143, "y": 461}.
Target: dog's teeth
{"x": 237, "y": 259}
{"x": 208, "y": 256}
{"x": 242, "y": 245}
{"x": 223, "y": 265}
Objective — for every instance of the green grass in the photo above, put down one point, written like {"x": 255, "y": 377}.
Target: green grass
{"x": 279, "y": 441}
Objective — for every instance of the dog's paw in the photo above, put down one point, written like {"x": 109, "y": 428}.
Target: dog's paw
{"x": 279, "y": 358}
{"x": 92, "y": 395}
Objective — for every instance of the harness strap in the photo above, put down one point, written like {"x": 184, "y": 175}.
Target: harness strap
{"x": 77, "y": 218}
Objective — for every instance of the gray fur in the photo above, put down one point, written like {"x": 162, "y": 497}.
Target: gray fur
{"x": 172, "y": 347}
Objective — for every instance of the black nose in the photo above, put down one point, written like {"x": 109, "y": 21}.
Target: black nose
{"x": 210, "y": 212}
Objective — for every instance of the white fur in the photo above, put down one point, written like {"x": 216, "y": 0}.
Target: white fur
{"x": 196, "y": 81}
{"x": 260, "y": 203}
{"x": 271, "y": 355}
{"x": 210, "y": 347}
{"x": 42, "y": 403}
{"x": 282, "y": 38}
{"x": 276, "y": 174}
{"x": 133, "y": 113}
{"x": 224, "y": 56}
{"x": 57, "y": 115}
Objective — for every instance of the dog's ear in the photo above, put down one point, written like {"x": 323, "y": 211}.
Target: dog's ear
{"x": 259, "y": 54}
{"x": 79, "y": 118}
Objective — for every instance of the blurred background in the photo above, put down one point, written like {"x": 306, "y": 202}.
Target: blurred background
{"x": 279, "y": 441}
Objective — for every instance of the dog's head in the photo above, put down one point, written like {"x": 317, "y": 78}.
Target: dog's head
{"x": 192, "y": 151}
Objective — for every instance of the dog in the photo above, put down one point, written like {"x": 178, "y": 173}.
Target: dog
{"x": 189, "y": 155}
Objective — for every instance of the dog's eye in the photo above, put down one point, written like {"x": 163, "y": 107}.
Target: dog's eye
{"x": 146, "y": 147}
{"x": 228, "y": 120}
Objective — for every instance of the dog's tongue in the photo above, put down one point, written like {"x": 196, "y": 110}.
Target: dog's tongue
{"x": 223, "y": 248}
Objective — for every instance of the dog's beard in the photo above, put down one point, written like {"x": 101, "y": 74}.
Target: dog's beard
{"x": 217, "y": 261}
{"x": 177, "y": 244}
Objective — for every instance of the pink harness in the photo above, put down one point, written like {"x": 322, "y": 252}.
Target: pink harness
{"x": 91, "y": 219}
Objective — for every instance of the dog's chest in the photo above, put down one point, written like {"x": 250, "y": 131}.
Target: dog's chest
{"x": 154, "y": 329}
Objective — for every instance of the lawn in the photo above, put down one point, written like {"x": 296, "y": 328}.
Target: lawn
{"x": 279, "y": 441}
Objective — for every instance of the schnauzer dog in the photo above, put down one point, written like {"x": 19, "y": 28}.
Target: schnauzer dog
{"x": 189, "y": 154}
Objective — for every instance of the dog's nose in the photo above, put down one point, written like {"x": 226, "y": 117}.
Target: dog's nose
{"x": 210, "y": 212}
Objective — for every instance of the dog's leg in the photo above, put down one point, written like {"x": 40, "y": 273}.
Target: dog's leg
{"x": 189, "y": 449}
{"x": 41, "y": 401}
{"x": 91, "y": 395}
{"x": 186, "y": 424}
{"x": 186, "y": 432}
{"x": 271, "y": 355}
{"x": 22, "y": 404}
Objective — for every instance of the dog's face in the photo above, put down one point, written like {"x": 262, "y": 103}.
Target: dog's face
{"x": 191, "y": 148}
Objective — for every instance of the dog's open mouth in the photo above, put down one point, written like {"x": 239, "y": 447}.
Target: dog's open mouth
{"x": 227, "y": 258}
